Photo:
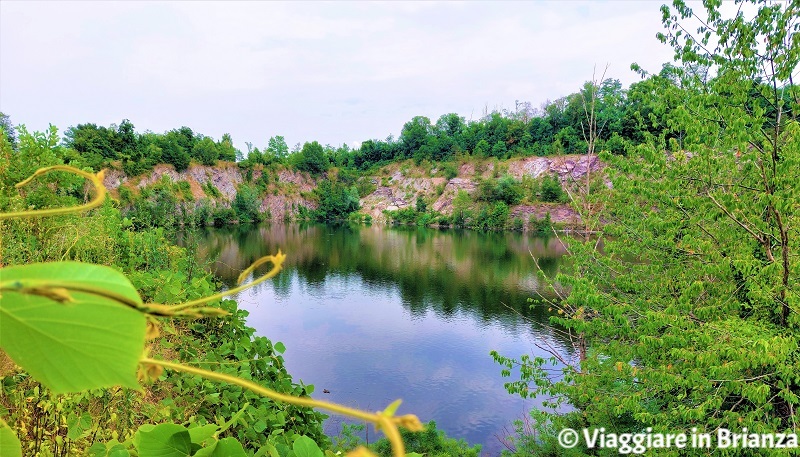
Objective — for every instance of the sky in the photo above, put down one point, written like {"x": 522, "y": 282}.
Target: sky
{"x": 335, "y": 72}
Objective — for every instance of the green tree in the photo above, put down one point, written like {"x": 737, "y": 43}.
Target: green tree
{"x": 93, "y": 143}
{"x": 421, "y": 206}
{"x": 277, "y": 148}
{"x": 482, "y": 149}
{"x": 312, "y": 159}
{"x": 414, "y": 134}
{"x": 226, "y": 150}
{"x": 703, "y": 329}
{"x": 206, "y": 151}
{"x": 551, "y": 190}
{"x": 172, "y": 152}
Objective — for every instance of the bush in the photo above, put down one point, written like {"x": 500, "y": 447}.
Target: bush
{"x": 494, "y": 217}
{"x": 615, "y": 144}
{"x": 405, "y": 216}
{"x": 185, "y": 190}
{"x": 365, "y": 186}
{"x": 246, "y": 204}
{"x": 336, "y": 201}
{"x": 210, "y": 189}
{"x": 541, "y": 226}
{"x": 506, "y": 189}
{"x": 430, "y": 442}
{"x": 203, "y": 213}
{"x": 223, "y": 216}
{"x": 450, "y": 170}
{"x": 125, "y": 194}
{"x": 551, "y": 189}
{"x": 421, "y": 205}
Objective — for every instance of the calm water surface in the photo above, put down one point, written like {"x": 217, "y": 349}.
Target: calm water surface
{"x": 373, "y": 314}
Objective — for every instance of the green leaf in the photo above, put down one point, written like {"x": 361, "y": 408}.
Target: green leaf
{"x": 9, "y": 444}
{"x": 163, "y": 440}
{"x": 90, "y": 342}
{"x": 72, "y": 275}
{"x": 200, "y": 434}
{"x": 306, "y": 447}
{"x": 226, "y": 447}
{"x": 270, "y": 450}
{"x": 279, "y": 347}
{"x": 118, "y": 451}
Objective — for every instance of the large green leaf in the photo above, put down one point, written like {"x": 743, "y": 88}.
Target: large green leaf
{"x": 203, "y": 432}
{"x": 163, "y": 440}
{"x": 70, "y": 275}
{"x": 9, "y": 444}
{"x": 226, "y": 447}
{"x": 306, "y": 447}
{"x": 91, "y": 341}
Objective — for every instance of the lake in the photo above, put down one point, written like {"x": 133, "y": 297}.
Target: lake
{"x": 376, "y": 313}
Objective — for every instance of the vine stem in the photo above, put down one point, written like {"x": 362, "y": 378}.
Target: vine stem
{"x": 383, "y": 420}
{"x": 95, "y": 179}
{"x": 277, "y": 265}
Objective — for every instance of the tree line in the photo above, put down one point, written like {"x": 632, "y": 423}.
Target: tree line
{"x": 623, "y": 117}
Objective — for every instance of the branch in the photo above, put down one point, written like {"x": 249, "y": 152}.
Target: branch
{"x": 384, "y": 420}
{"x": 95, "y": 179}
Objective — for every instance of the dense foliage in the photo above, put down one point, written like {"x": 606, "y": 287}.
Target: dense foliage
{"x": 50, "y": 424}
{"x": 689, "y": 317}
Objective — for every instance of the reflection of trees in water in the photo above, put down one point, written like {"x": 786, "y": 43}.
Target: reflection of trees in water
{"x": 490, "y": 276}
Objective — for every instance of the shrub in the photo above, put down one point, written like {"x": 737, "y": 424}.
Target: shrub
{"x": 203, "y": 213}
{"x": 223, "y": 216}
{"x": 551, "y": 189}
{"x": 493, "y": 217}
{"x": 506, "y": 189}
{"x": 126, "y": 194}
{"x": 365, "y": 186}
{"x": 210, "y": 189}
{"x": 449, "y": 170}
{"x": 336, "y": 201}
{"x": 542, "y": 226}
{"x": 246, "y": 204}
{"x": 421, "y": 205}
{"x": 185, "y": 190}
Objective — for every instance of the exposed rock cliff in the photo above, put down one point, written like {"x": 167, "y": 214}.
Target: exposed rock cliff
{"x": 398, "y": 185}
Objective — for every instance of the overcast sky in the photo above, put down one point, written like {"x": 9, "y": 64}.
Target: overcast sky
{"x": 327, "y": 71}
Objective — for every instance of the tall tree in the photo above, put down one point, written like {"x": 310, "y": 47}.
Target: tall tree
{"x": 312, "y": 159}
{"x": 414, "y": 134}
{"x": 277, "y": 148}
{"x": 226, "y": 149}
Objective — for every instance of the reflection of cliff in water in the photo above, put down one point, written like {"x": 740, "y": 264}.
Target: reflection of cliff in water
{"x": 488, "y": 275}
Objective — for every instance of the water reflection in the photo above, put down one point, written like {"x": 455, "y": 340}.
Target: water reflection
{"x": 375, "y": 313}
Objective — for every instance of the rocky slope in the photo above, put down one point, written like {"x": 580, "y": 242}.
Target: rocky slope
{"x": 400, "y": 188}
{"x": 397, "y": 185}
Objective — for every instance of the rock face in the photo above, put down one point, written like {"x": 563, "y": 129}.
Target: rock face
{"x": 397, "y": 187}
{"x": 567, "y": 168}
{"x": 226, "y": 177}
{"x": 402, "y": 191}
